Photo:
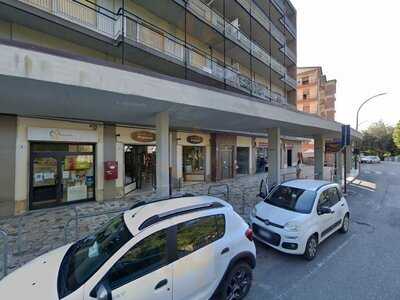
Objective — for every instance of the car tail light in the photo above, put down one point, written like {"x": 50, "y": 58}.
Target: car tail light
{"x": 249, "y": 234}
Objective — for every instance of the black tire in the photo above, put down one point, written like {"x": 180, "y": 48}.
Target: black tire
{"x": 311, "y": 248}
{"x": 345, "y": 224}
{"x": 237, "y": 282}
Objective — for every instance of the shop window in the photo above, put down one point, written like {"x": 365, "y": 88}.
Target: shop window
{"x": 61, "y": 173}
{"x": 194, "y": 163}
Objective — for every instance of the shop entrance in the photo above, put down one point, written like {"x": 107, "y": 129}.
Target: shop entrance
{"x": 193, "y": 163}
{"x": 61, "y": 173}
{"x": 140, "y": 167}
{"x": 226, "y": 155}
{"x": 262, "y": 160}
{"x": 289, "y": 158}
{"x": 243, "y": 160}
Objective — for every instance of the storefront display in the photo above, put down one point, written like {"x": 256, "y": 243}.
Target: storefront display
{"x": 261, "y": 159}
{"x": 61, "y": 173}
{"x": 193, "y": 163}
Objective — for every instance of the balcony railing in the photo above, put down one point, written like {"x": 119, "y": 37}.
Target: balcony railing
{"x": 138, "y": 31}
{"x": 263, "y": 19}
{"x": 290, "y": 81}
{"x": 84, "y": 13}
{"x": 289, "y": 53}
{"x": 290, "y": 26}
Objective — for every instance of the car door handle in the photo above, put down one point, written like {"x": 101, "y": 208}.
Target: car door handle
{"x": 161, "y": 284}
{"x": 225, "y": 250}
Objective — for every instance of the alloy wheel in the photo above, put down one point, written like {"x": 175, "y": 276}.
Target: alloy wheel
{"x": 238, "y": 286}
{"x": 312, "y": 247}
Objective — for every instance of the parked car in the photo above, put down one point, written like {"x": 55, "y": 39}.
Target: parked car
{"x": 370, "y": 159}
{"x": 298, "y": 215}
{"x": 181, "y": 248}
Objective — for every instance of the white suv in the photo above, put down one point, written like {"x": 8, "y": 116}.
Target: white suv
{"x": 181, "y": 248}
{"x": 299, "y": 214}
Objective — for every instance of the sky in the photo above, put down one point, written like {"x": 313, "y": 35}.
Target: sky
{"x": 356, "y": 42}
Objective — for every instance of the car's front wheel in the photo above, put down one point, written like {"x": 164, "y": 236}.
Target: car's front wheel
{"x": 237, "y": 283}
{"x": 311, "y": 248}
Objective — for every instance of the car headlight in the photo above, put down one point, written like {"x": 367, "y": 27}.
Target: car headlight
{"x": 254, "y": 212}
{"x": 292, "y": 227}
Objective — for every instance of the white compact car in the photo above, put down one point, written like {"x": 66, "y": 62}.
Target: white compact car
{"x": 182, "y": 248}
{"x": 298, "y": 215}
{"x": 370, "y": 159}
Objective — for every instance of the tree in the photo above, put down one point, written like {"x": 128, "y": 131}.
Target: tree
{"x": 378, "y": 140}
{"x": 396, "y": 135}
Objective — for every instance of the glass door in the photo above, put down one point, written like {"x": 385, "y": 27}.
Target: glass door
{"x": 45, "y": 180}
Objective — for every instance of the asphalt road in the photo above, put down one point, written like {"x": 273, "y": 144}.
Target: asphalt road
{"x": 362, "y": 264}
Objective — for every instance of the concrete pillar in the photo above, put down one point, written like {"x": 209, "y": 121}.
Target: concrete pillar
{"x": 274, "y": 154}
{"x": 253, "y": 162}
{"x": 110, "y": 154}
{"x": 319, "y": 157}
{"x": 174, "y": 158}
{"x": 8, "y": 140}
{"x": 162, "y": 164}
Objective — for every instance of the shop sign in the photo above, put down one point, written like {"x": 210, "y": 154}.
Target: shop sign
{"x": 331, "y": 147}
{"x": 262, "y": 144}
{"x": 61, "y": 135}
{"x": 143, "y": 136}
{"x": 194, "y": 139}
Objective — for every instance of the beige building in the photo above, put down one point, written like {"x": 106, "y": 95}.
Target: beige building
{"x": 103, "y": 98}
{"x": 316, "y": 94}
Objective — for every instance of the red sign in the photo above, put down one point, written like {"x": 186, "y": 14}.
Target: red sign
{"x": 110, "y": 170}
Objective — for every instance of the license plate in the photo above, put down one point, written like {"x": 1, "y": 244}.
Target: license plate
{"x": 265, "y": 234}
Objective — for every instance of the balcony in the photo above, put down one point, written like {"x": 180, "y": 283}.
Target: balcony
{"x": 289, "y": 26}
{"x": 289, "y": 53}
{"x": 290, "y": 81}
{"x": 150, "y": 38}
{"x": 263, "y": 19}
{"x": 84, "y": 13}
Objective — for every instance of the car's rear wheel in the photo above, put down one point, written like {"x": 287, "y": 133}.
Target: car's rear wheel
{"x": 311, "y": 248}
{"x": 237, "y": 283}
{"x": 345, "y": 224}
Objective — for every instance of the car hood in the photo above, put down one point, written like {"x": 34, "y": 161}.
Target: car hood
{"x": 36, "y": 279}
{"x": 276, "y": 214}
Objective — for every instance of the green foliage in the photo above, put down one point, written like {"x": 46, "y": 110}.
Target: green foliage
{"x": 378, "y": 139}
{"x": 396, "y": 136}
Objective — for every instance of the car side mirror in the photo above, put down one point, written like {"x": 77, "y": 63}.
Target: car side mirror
{"x": 103, "y": 291}
{"x": 324, "y": 210}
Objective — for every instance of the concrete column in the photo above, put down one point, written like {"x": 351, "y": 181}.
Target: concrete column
{"x": 110, "y": 154}
{"x": 319, "y": 157}
{"x": 174, "y": 158}
{"x": 274, "y": 154}
{"x": 8, "y": 140}
{"x": 253, "y": 151}
{"x": 162, "y": 165}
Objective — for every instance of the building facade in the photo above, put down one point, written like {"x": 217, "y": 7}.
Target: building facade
{"x": 103, "y": 98}
{"x": 316, "y": 95}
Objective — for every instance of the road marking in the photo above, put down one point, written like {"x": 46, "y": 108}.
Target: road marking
{"x": 367, "y": 172}
{"x": 316, "y": 269}
{"x": 378, "y": 172}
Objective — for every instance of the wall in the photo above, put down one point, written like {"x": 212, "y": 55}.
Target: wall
{"x": 8, "y": 137}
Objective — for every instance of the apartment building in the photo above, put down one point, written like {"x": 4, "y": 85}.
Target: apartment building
{"x": 103, "y": 98}
{"x": 316, "y": 94}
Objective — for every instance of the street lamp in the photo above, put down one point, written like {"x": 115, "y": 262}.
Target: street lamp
{"x": 365, "y": 102}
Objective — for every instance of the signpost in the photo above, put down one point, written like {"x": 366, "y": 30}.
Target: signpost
{"x": 345, "y": 142}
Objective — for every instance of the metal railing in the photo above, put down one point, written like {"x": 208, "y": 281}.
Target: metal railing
{"x": 83, "y": 12}
{"x": 4, "y": 251}
{"x": 290, "y": 81}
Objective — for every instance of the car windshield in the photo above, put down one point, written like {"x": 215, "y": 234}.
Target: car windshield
{"x": 291, "y": 198}
{"x": 86, "y": 256}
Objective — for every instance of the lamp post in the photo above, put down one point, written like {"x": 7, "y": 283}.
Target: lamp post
{"x": 365, "y": 102}
{"x": 358, "y": 112}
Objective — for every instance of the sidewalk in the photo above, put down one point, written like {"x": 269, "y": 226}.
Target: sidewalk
{"x": 38, "y": 232}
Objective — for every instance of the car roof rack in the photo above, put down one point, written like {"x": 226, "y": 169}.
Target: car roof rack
{"x": 143, "y": 202}
{"x": 177, "y": 212}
